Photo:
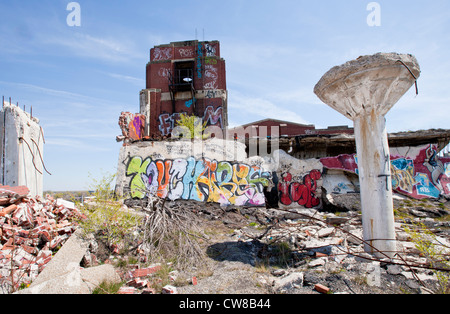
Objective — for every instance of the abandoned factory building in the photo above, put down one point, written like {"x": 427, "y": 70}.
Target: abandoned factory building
{"x": 189, "y": 77}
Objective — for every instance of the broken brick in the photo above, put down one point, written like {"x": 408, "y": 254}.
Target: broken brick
{"x": 318, "y": 254}
{"x": 8, "y": 245}
{"x": 148, "y": 291}
{"x": 143, "y": 272}
{"x": 126, "y": 290}
{"x": 321, "y": 288}
{"x": 138, "y": 283}
{"x": 30, "y": 229}
{"x": 8, "y": 210}
{"x": 169, "y": 290}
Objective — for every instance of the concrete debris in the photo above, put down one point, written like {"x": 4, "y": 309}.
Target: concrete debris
{"x": 31, "y": 231}
{"x": 142, "y": 280}
{"x": 309, "y": 251}
{"x": 291, "y": 281}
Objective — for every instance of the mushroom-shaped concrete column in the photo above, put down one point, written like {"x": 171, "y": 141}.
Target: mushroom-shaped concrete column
{"x": 364, "y": 90}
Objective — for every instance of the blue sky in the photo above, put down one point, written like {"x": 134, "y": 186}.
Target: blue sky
{"x": 79, "y": 79}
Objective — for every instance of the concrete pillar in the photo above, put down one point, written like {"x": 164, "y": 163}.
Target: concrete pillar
{"x": 21, "y": 150}
{"x": 364, "y": 90}
{"x": 375, "y": 181}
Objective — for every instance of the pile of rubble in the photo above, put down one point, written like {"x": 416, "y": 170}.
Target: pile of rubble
{"x": 31, "y": 231}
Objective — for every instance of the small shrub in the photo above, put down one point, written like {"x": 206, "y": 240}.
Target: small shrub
{"x": 105, "y": 217}
{"x": 429, "y": 246}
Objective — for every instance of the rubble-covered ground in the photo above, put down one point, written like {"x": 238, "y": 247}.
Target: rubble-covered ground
{"x": 248, "y": 250}
{"x": 304, "y": 251}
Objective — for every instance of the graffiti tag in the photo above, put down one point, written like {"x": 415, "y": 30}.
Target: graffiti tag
{"x": 202, "y": 180}
{"x": 292, "y": 190}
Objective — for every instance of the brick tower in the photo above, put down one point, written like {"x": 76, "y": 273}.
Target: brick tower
{"x": 184, "y": 78}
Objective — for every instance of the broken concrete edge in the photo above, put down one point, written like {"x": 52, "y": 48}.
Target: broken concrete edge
{"x": 363, "y": 63}
{"x": 63, "y": 274}
{"x": 77, "y": 281}
{"x": 22, "y": 142}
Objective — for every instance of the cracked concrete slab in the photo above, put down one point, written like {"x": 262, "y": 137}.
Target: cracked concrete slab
{"x": 63, "y": 274}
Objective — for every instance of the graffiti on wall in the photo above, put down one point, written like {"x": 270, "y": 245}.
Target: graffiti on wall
{"x": 301, "y": 190}
{"x": 168, "y": 121}
{"x": 210, "y": 50}
{"x": 422, "y": 176}
{"x": 164, "y": 72}
{"x": 402, "y": 172}
{"x": 213, "y": 117}
{"x": 132, "y": 125}
{"x": 211, "y": 76}
{"x": 186, "y": 52}
{"x": 202, "y": 180}
{"x": 161, "y": 54}
{"x": 199, "y": 60}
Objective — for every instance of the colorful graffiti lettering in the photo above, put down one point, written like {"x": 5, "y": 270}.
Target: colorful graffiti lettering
{"x": 212, "y": 116}
{"x": 342, "y": 162}
{"x": 199, "y": 60}
{"x": 402, "y": 171}
{"x": 434, "y": 166}
{"x": 201, "y": 180}
{"x": 304, "y": 193}
{"x": 209, "y": 60}
{"x": 424, "y": 175}
{"x": 424, "y": 186}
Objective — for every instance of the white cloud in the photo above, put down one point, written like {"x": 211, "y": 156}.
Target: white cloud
{"x": 76, "y": 144}
{"x": 109, "y": 49}
{"x": 133, "y": 80}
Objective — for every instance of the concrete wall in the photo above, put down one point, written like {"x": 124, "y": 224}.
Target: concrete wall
{"x": 207, "y": 171}
{"x": 217, "y": 171}
{"x": 21, "y": 149}
{"x": 417, "y": 172}
{"x": 298, "y": 182}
